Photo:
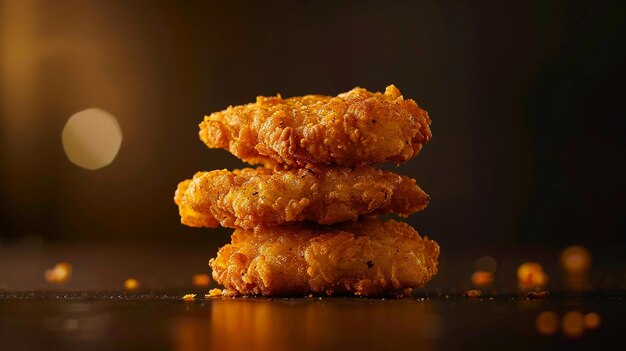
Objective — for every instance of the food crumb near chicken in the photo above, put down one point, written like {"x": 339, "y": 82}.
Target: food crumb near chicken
{"x": 214, "y": 292}
{"x": 537, "y": 295}
{"x": 473, "y": 293}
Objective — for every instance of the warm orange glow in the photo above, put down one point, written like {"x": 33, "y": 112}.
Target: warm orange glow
{"x": 576, "y": 259}
{"x": 59, "y": 274}
{"x": 547, "y": 323}
{"x": 486, "y": 264}
{"x": 592, "y": 320}
{"x": 189, "y": 297}
{"x": 531, "y": 275}
{"x": 573, "y": 324}
{"x": 201, "y": 280}
{"x": 482, "y": 278}
{"x": 131, "y": 284}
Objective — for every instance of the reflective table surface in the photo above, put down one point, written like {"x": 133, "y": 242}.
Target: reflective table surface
{"x": 163, "y": 321}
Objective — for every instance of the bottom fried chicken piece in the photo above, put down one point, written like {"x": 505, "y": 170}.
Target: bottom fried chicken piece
{"x": 369, "y": 257}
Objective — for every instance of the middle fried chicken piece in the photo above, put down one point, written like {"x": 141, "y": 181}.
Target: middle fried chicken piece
{"x": 251, "y": 197}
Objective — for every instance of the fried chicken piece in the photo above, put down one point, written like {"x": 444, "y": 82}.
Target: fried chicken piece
{"x": 187, "y": 215}
{"x": 369, "y": 257}
{"x": 353, "y": 129}
{"x": 251, "y": 197}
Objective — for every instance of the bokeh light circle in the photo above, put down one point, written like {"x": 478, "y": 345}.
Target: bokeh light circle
{"x": 547, "y": 323}
{"x": 576, "y": 259}
{"x": 592, "y": 320}
{"x": 486, "y": 264}
{"x": 573, "y": 324}
{"x": 91, "y": 138}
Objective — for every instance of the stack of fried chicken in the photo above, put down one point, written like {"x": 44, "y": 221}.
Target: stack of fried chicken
{"x": 305, "y": 219}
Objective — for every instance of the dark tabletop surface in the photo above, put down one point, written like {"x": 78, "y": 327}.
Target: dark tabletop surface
{"x": 157, "y": 320}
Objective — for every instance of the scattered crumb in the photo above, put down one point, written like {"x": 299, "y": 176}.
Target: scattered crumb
{"x": 473, "y": 293}
{"x": 214, "y": 292}
{"x": 189, "y": 297}
{"x": 229, "y": 293}
{"x": 131, "y": 284}
{"x": 537, "y": 294}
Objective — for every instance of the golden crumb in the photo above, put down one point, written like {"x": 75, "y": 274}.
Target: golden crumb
{"x": 131, "y": 284}
{"x": 537, "y": 294}
{"x": 214, "y": 292}
{"x": 473, "y": 293}
{"x": 189, "y": 297}
{"x": 201, "y": 280}
{"x": 59, "y": 274}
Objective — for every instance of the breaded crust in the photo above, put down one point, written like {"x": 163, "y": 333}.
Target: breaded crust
{"x": 352, "y": 129}
{"x": 368, "y": 257}
{"x": 250, "y": 198}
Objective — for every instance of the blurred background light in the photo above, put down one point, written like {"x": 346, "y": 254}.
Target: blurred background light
{"x": 573, "y": 324}
{"x": 485, "y": 267}
{"x": 482, "y": 278}
{"x": 486, "y": 264}
{"x": 59, "y": 274}
{"x": 592, "y": 320}
{"x": 201, "y": 280}
{"x": 131, "y": 284}
{"x": 91, "y": 138}
{"x": 530, "y": 275}
{"x": 547, "y": 323}
{"x": 576, "y": 259}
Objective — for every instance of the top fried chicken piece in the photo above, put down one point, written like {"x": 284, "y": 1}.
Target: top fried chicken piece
{"x": 352, "y": 129}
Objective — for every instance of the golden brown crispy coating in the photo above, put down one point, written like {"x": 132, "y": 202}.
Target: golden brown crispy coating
{"x": 249, "y": 198}
{"x": 369, "y": 257}
{"x": 187, "y": 215}
{"x": 353, "y": 129}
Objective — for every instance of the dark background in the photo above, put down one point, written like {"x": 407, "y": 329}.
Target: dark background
{"x": 526, "y": 100}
